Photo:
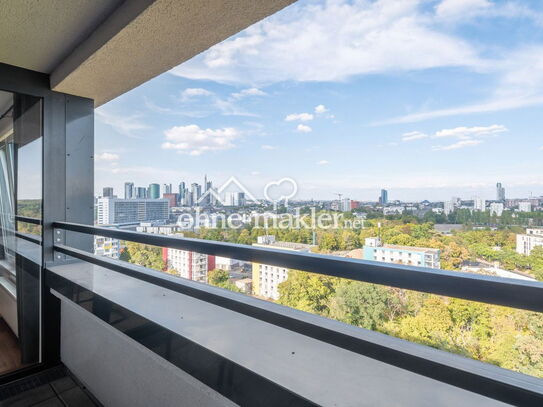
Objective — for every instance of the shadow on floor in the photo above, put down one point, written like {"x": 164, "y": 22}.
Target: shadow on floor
{"x": 52, "y": 388}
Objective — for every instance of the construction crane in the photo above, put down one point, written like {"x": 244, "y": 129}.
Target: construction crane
{"x": 338, "y": 196}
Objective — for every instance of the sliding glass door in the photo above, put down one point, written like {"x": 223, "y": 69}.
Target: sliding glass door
{"x": 20, "y": 230}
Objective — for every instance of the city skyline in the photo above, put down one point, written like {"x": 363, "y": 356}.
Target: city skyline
{"x": 163, "y": 190}
{"x": 464, "y": 89}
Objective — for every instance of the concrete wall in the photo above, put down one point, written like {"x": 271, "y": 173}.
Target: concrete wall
{"x": 120, "y": 372}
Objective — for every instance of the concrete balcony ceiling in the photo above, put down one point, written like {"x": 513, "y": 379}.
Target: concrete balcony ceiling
{"x": 100, "y": 49}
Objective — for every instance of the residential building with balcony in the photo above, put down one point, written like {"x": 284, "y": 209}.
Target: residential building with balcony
{"x": 190, "y": 265}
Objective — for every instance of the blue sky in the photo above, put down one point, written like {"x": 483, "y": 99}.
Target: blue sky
{"x": 429, "y": 99}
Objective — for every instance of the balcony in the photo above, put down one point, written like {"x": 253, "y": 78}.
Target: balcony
{"x": 125, "y": 335}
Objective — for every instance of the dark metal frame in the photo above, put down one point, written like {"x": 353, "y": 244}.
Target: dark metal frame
{"x": 478, "y": 377}
{"x": 67, "y": 183}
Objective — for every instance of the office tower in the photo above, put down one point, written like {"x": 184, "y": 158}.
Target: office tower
{"x": 141, "y": 193}
{"x": 196, "y": 192}
{"x": 153, "y": 191}
{"x": 167, "y": 189}
{"x": 113, "y": 210}
{"x": 383, "y": 200}
{"x": 500, "y": 192}
{"x": 129, "y": 190}
{"x": 182, "y": 194}
{"x": 107, "y": 192}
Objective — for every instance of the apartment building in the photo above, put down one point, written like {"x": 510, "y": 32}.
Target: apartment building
{"x": 266, "y": 278}
{"x": 190, "y": 265}
{"x": 410, "y": 256}
{"x": 107, "y": 246}
{"x": 114, "y": 210}
{"x": 526, "y": 242}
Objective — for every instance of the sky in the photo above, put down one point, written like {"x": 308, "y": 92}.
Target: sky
{"x": 428, "y": 99}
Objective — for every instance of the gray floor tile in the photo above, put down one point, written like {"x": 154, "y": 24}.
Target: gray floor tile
{"x": 76, "y": 397}
{"x": 30, "y": 397}
{"x": 63, "y": 384}
{"x": 50, "y": 403}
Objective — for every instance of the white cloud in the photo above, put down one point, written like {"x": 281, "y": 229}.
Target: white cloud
{"x": 519, "y": 84}
{"x": 303, "y": 117}
{"x": 193, "y": 140}
{"x": 255, "y": 172}
{"x": 333, "y": 41}
{"x": 465, "y": 133}
{"x": 268, "y": 147}
{"x": 302, "y": 128}
{"x": 323, "y": 162}
{"x": 125, "y": 125}
{"x": 413, "y": 135}
{"x": 458, "y": 145}
{"x": 228, "y": 107}
{"x": 462, "y": 9}
{"x": 107, "y": 157}
{"x": 467, "y": 136}
{"x": 320, "y": 109}
{"x": 194, "y": 92}
{"x": 248, "y": 92}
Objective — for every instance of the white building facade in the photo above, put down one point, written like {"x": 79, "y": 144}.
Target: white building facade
{"x": 189, "y": 265}
{"x": 410, "y": 256}
{"x": 117, "y": 211}
{"x": 266, "y": 278}
{"x": 532, "y": 238}
{"x": 107, "y": 246}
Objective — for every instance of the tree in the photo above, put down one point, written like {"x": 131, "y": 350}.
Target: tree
{"x": 360, "y": 304}
{"x": 306, "y": 291}
{"x": 221, "y": 278}
{"x": 217, "y": 277}
{"x": 144, "y": 255}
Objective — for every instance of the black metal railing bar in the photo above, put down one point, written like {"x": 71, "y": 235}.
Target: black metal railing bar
{"x": 519, "y": 294}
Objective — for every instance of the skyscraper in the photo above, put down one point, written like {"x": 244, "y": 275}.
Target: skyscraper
{"x": 167, "y": 189}
{"x": 384, "y": 197}
{"x": 153, "y": 191}
{"x": 182, "y": 194}
{"x": 107, "y": 192}
{"x": 129, "y": 190}
{"x": 500, "y": 192}
{"x": 196, "y": 191}
{"x": 141, "y": 193}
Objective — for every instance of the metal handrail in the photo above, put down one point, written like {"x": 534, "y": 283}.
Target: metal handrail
{"x": 508, "y": 292}
{"x": 28, "y": 219}
{"x": 28, "y": 237}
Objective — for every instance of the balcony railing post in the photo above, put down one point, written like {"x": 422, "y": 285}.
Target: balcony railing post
{"x": 67, "y": 185}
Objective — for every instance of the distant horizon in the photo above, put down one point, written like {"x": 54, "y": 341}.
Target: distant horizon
{"x": 483, "y": 194}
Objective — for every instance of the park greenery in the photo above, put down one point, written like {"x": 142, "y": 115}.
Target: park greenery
{"x": 509, "y": 338}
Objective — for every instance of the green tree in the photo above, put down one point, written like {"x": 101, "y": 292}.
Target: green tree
{"x": 361, "y": 304}
{"x": 306, "y": 291}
